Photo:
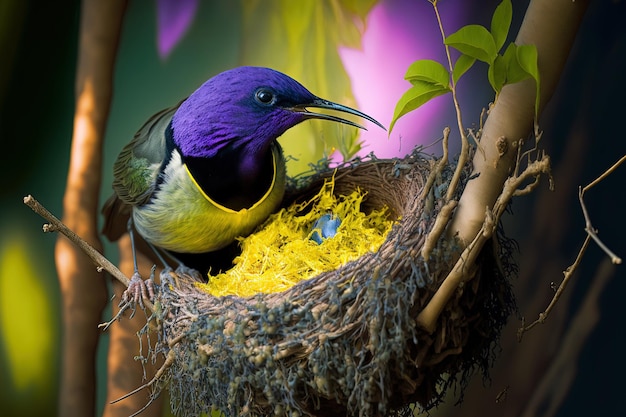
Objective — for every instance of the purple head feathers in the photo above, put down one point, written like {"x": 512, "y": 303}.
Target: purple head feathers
{"x": 244, "y": 109}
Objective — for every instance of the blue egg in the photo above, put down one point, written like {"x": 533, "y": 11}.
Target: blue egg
{"x": 325, "y": 227}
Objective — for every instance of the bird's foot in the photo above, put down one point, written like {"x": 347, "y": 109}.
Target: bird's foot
{"x": 138, "y": 289}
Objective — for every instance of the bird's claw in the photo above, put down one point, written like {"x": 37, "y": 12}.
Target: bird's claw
{"x": 138, "y": 289}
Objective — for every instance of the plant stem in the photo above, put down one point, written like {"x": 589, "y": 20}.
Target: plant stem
{"x": 464, "y": 155}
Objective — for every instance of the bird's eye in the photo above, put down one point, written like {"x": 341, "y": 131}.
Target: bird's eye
{"x": 264, "y": 96}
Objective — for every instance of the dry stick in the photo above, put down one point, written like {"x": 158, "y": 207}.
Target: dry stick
{"x": 439, "y": 227}
{"x": 427, "y": 319}
{"x": 105, "y": 326}
{"x": 588, "y": 227}
{"x": 438, "y": 169}
{"x": 169, "y": 360}
{"x": 591, "y": 234}
{"x": 605, "y": 174}
{"x": 567, "y": 276}
{"x": 446, "y": 211}
{"x": 55, "y": 225}
{"x": 551, "y": 388}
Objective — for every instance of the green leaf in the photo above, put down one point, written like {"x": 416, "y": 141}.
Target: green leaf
{"x": 475, "y": 41}
{"x": 497, "y": 73}
{"x": 461, "y": 66}
{"x": 514, "y": 72}
{"x": 420, "y": 93}
{"x": 429, "y": 71}
{"x": 501, "y": 22}
{"x": 348, "y": 144}
{"x": 527, "y": 58}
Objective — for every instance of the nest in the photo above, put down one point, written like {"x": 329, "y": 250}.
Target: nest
{"x": 345, "y": 342}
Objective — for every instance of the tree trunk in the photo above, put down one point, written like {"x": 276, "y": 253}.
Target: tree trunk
{"x": 551, "y": 26}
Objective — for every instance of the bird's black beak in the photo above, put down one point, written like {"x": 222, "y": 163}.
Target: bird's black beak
{"x": 325, "y": 104}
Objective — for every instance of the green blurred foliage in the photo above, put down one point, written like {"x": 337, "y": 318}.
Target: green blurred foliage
{"x": 38, "y": 45}
{"x": 29, "y": 325}
{"x": 301, "y": 38}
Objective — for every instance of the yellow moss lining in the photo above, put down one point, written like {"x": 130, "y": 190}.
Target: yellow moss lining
{"x": 281, "y": 253}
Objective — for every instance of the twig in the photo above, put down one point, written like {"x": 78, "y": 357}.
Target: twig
{"x": 591, "y": 231}
{"x": 605, "y": 174}
{"x": 427, "y": 318}
{"x": 568, "y": 273}
{"x": 551, "y": 388}
{"x": 55, "y": 225}
{"x": 446, "y": 212}
{"x": 438, "y": 228}
{"x": 438, "y": 169}
{"x": 169, "y": 360}
{"x": 591, "y": 234}
{"x": 105, "y": 326}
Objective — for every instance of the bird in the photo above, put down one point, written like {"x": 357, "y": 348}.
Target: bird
{"x": 208, "y": 170}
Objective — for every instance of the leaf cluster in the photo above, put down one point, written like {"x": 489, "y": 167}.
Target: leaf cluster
{"x": 431, "y": 79}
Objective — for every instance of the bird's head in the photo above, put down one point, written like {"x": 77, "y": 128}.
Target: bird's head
{"x": 246, "y": 108}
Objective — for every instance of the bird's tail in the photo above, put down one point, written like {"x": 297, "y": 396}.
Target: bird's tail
{"x": 116, "y": 214}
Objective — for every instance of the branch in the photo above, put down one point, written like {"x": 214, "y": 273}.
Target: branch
{"x": 560, "y": 372}
{"x": 591, "y": 234}
{"x": 102, "y": 263}
{"x": 591, "y": 231}
{"x": 567, "y": 276}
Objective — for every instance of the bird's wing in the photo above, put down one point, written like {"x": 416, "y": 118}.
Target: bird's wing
{"x": 135, "y": 172}
{"x": 137, "y": 165}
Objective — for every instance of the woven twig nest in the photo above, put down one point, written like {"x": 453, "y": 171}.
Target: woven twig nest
{"x": 345, "y": 342}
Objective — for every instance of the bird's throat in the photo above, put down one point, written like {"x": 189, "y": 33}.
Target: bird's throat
{"x": 233, "y": 181}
